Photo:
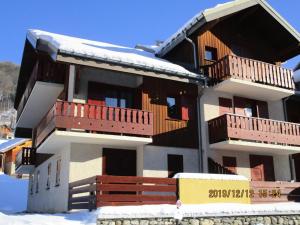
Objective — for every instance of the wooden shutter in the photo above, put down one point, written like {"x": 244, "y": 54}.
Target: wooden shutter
{"x": 230, "y": 163}
{"x": 225, "y": 105}
{"x": 240, "y": 105}
{"x": 262, "y": 109}
{"x": 184, "y": 108}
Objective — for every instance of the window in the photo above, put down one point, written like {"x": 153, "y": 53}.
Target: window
{"x": 37, "y": 182}
{"x": 57, "y": 175}
{"x": 173, "y": 109}
{"x": 48, "y": 177}
{"x": 175, "y": 164}
{"x": 31, "y": 179}
{"x": 210, "y": 53}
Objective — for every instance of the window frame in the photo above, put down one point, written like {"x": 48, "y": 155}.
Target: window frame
{"x": 213, "y": 51}
{"x": 177, "y": 106}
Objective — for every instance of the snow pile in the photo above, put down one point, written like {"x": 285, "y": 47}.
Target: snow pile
{"x": 204, "y": 210}
{"x": 106, "y": 52}
{"x": 13, "y": 194}
{"x": 78, "y": 218}
{"x": 209, "y": 176}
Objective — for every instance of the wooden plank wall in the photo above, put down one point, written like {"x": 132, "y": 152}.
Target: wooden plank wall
{"x": 170, "y": 132}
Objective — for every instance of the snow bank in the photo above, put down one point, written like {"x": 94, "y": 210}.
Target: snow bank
{"x": 209, "y": 176}
{"x": 106, "y": 52}
{"x": 204, "y": 210}
{"x": 77, "y": 218}
{"x": 13, "y": 194}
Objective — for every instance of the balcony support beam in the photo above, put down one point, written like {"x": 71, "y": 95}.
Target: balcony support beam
{"x": 71, "y": 83}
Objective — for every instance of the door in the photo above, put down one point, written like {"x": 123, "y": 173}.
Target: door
{"x": 119, "y": 162}
{"x": 296, "y": 158}
{"x": 262, "y": 168}
{"x": 230, "y": 163}
{"x": 175, "y": 164}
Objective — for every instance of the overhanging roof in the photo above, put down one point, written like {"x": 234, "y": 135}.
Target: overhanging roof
{"x": 217, "y": 12}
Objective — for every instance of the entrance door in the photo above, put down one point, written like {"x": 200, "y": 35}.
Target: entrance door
{"x": 262, "y": 168}
{"x": 119, "y": 162}
{"x": 296, "y": 158}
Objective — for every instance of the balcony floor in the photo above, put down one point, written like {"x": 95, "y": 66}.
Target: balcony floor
{"x": 58, "y": 139}
{"x": 253, "y": 90}
{"x": 247, "y": 146}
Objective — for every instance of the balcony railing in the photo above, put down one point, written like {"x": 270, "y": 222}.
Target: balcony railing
{"x": 251, "y": 70}
{"x": 230, "y": 126}
{"x": 26, "y": 157}
{"x": 94, "y": 118}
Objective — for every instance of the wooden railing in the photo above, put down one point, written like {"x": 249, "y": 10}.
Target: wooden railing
{"x": 100, "y": 191}
{"x": 279, "y": 191}
{"x": 94, "y": 118}
{"x": 252, "y": 70}
{"x": 231, "y": 126}
{"x": 26, "y": 157}
{"x": 216, "y": 168}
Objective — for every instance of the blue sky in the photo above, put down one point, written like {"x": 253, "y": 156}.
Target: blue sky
{"x": 125, "y": 22}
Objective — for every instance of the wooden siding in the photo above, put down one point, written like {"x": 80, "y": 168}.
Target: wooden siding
{"x": 171, "y": 132}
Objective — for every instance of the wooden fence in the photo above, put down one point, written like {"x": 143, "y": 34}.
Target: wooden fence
{"x": 251, "y": 70}
{"x": 100, "y": 191}
{"x": 280, "y": 191}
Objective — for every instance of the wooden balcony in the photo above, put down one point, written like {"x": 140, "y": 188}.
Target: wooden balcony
{"x": 250, "y": 77}
{"x": 25, "y": 160}
{"x": 94, "y": 119}
{"x": 235, "y": 132}
{"x": 121, "y": 190}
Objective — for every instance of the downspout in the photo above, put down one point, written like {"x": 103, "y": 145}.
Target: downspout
{"x": 291, "y": 161}
{"x": 199, "y": 95}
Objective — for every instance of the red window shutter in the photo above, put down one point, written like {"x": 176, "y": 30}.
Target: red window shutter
{"x": 225, "y": 105}
{"x": 184, "y": 108}
{"x": 262, "y": 109}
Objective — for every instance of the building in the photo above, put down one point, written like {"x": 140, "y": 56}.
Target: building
{"x": 8, "y": 154}
{"x": 209, "y": 97}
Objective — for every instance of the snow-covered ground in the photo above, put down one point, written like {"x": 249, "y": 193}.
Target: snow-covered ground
{"x": 13, "y": 202}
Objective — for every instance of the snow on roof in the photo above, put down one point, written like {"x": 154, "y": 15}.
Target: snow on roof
{"x": 201, "y": 210}
{"x": 11, "y": 144}
{"x": 106, "y": 52}
{"x": 296, "y": 76}
{"x": 216, "y": 12}
{"x": 209, "y": 176}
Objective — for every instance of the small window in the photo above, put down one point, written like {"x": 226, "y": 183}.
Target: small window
{"x": 48, "y": 177}
{"x": 173, "y": 108}
{"x": 31, "y": 179}
{"x": 210, "y": 53}
{"x": 175, "y": 164}
{"x": 230, "y": 163}
{"x": 37, "y": 182}
{"x": 57, "y": 175}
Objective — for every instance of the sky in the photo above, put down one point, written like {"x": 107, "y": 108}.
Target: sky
{"x": 123, "y": 22}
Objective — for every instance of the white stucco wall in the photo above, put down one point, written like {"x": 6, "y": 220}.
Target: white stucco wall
{"x": 54, "y": 199}
{"x": 156, "y": 160}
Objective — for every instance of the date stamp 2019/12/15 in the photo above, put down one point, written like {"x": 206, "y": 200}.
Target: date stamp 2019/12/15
{"x": 244, "y": 193}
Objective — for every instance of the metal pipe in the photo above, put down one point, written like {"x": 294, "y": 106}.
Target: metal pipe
{"x": 200, "y": 149}
{"x": 194, "y": 52}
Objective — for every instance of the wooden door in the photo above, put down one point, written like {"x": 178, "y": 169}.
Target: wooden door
{"x": 175, "y": 164}
{"x": 230, "y": 163}
{"x": 296, "y": 158}
{"x": 262, "y": 168}
{"x": 119, "y": 162}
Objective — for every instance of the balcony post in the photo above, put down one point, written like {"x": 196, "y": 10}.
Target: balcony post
{"x": 71, "y": 83}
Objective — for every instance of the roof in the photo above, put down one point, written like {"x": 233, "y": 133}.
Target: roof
{"x": 6, "y": 146}
{"x": 217, "y": 12}
{"x": 137, "y": 58}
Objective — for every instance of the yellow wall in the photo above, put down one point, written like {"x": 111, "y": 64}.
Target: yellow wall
{"x": 198, "y": 191}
